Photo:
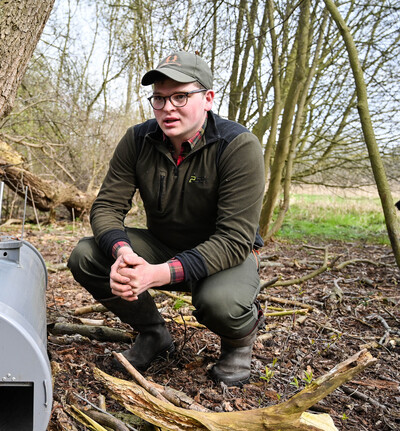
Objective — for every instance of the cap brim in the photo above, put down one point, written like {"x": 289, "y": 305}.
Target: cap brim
{"x": 157, "y": 74}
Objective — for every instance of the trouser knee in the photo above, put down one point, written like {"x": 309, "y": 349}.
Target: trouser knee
{"x": 225, "y": 301}
{"x": 91, "y": 268}
{"x": 225, "y": 317}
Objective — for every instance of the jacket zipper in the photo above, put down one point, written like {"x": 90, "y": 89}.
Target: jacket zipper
{"x": 161, "y": 191}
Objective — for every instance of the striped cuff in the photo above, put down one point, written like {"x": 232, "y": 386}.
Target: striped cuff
{"x": 176, "y": 270}
{"x": 117, "y": 246}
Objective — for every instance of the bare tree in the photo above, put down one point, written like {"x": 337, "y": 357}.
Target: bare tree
{"x": 392, "y": 222}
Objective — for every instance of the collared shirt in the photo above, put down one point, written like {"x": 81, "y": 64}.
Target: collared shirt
{"x": 186, "y": 146}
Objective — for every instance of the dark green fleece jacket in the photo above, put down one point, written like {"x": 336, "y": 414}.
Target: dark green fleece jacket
{"x": 207, "y": 208}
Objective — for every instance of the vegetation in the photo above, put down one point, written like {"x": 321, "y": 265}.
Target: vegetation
{"x": 334, "y": 218}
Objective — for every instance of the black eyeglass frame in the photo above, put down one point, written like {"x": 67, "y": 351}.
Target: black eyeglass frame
{"x": 185, "y": 93}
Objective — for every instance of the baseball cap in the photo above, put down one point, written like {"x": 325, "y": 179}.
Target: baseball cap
{"x": 182, "y": 67}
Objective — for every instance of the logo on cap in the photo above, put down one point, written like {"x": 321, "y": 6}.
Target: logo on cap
{"x": 171, "y": 59}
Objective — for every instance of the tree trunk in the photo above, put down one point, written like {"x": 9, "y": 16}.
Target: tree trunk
{"x": 392, "y": 222}
{"x": 21, "y": 25}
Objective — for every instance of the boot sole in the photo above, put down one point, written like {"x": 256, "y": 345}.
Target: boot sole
{"x": 228, "y": 381}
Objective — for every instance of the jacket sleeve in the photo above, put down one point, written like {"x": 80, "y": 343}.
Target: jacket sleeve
{"x": 114, "y": 199}
{"x": 240, "y": 195}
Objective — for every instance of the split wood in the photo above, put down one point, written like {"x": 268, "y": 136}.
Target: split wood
{"x": 288, "y": 415}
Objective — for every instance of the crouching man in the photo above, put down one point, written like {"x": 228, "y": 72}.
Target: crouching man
{"x": 201, "y": 179}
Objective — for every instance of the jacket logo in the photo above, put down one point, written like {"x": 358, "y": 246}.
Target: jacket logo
{"x": 195, "y": 179}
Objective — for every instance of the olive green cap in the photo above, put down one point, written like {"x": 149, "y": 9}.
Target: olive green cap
{"x": 182, "y": 67}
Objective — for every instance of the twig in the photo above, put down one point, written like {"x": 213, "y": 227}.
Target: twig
{"x": 173, "y": 295}
{"x": 167, "y": 394}
{"x": 138, "y": 377}
{"x": 388, "y": 330}
{"x": 285, "y": 301}
{"x": 101, "y": 410}
{"x": 355, "y": 394}
{"x": 306, "y": 277}
{"x": 341, "y": 333}
{"x": 107, "y": 421}
{"x": 89, "y": 309}
{"x": 391, "y": 315}
{"x": 286, "y": 313}
{"x": 269, "y": 282}
{"x": 183, "y": 320}
{"x": 350, "y": 262}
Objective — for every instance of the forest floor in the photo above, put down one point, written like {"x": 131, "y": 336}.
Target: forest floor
{"x": 354, "y": 307}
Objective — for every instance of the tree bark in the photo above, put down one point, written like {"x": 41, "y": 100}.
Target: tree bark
{"x": 392, "y": 222}
{"x": 21, "y": 25}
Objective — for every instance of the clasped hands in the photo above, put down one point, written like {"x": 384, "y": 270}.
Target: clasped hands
{"x": 131, "y": 275}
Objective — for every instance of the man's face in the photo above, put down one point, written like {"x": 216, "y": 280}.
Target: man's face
{"x": 180, "y": 124}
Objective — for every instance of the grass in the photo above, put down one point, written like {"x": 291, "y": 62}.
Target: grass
{"x": 334, "y": 218}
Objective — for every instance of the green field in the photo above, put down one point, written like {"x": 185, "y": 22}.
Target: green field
{"x": 334, "y": 218}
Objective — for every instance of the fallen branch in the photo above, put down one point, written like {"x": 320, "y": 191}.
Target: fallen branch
{"x": 174, "y": 296}
{"x": 289, "y": 415}
{"x": 284, "y": 301}
{"x": 367, "y": 398}
{"x": 138, "y": 377}
{"x": 286, "y": 313}
{"x": 90, "y": 309}
{"x": 325, "y": 267}
{"x": 85, "y": 419}
{"x": 171, "y": 395}
{"x": 100, "y": 333}
{"x": 106, "y": 420}
{"x": 187, "y": 321}
{"x": 102, "y": 416}
{"x": 46, "y": 195}
{"x": 350, "y": 262}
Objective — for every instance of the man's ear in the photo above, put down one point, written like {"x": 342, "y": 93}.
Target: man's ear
{"x": 209, "y": 96}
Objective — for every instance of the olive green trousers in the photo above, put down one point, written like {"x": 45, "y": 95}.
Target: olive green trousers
{"x": 225, "y": 302}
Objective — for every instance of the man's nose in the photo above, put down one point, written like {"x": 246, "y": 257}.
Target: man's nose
{"x": 168, "y": 104}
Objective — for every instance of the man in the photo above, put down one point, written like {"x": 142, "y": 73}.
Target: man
{"x": 201, "y": 180}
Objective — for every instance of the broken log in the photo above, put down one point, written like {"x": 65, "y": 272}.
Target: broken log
{"x": 288, "y": 415}
{"x": 100, "y": 333}
{"x": 45, "y": 195}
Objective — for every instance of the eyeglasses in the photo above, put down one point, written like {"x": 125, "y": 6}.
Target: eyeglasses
{"x": 177, "y": 99}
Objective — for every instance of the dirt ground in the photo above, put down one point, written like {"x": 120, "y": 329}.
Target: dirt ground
{"x": 353, "y": 307}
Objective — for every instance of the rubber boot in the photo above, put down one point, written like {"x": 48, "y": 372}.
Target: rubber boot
{"x": 234, "y": 364}
{"x": 154, "y": 339}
